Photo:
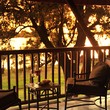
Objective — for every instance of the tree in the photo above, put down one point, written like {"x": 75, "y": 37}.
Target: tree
{"x": 49, "y": 20}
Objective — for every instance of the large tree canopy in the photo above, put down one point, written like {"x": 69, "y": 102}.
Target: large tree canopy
{"x": 55, "y": 24}
{"x": 48, "y": 20}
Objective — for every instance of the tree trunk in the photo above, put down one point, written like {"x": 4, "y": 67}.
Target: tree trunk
{"x": 83, "y": 26}
{"x": 80, "y": 40}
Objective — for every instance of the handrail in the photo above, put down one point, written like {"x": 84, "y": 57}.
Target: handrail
{"x": 57, "y": 64}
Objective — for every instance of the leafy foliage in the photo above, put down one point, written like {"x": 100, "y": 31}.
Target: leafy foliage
{"x": 47, "y": 21}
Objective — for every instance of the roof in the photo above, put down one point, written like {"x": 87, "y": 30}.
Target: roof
{"x": 78, "y": 2}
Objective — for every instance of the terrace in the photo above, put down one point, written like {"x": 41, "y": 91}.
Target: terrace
{"x": 56, "y": 64}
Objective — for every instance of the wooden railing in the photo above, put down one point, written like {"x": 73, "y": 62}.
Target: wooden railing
{"x": 56, "y": 64}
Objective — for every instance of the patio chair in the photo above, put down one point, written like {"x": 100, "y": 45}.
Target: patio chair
{"x": 95, "y": 85}
{"x": 9, "y": 98}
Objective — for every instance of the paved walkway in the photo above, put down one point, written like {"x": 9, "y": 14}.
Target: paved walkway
{"x": 62, "y": 104}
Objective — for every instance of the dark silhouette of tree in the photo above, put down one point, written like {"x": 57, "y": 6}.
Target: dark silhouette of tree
{"x": 48, "y": 21}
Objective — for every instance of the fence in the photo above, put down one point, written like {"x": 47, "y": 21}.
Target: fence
{"x": 56, "y": 64}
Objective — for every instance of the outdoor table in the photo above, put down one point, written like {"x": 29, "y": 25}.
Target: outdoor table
{"x": 46, "y": 92}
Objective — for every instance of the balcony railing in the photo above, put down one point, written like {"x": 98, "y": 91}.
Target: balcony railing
{"x": 56, "y": 64}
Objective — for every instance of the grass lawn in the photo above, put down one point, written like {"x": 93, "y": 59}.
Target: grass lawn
{"x": 21, "y": 78}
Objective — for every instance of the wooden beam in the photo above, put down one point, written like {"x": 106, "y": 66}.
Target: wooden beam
{"x": 79, "y": 2}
